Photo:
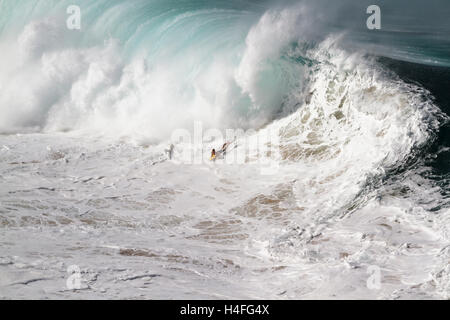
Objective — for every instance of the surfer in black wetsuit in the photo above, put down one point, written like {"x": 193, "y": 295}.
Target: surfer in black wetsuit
{"x": 214, "y": 154}
{"x": 222, "y": 151}
{"x": 170, "y": 151}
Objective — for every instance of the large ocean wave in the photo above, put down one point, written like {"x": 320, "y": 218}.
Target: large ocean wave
{"x": 361, "y": 144}
{"x": 147, "y": 67}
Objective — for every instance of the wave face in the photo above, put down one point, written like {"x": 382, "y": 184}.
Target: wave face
{"x": 137, "y": 65}
{"x": 159, "y": 65}
{"x": 362, "y": 134}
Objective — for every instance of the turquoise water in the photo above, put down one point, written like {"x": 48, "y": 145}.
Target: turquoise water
{"x": 414, "y": 31}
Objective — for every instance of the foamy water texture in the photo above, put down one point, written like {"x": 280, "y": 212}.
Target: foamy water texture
{"x": 337, "y": 206}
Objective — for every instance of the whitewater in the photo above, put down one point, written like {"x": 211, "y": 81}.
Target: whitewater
{"x": 336, "y": 184}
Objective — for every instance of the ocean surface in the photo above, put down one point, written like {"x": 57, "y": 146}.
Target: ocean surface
{"x": 335, "y": 184}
